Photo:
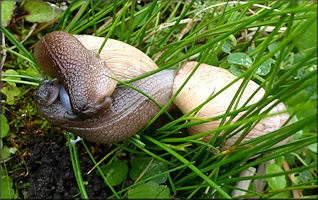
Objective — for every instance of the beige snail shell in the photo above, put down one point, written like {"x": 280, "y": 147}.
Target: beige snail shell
{"x": 125, "y": 61}
{"x": 208, "y": 80}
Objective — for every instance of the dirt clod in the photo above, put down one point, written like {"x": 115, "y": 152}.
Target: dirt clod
{"x": 51, "y": 174}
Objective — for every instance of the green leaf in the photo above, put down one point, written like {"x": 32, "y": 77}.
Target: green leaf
{"x": 139, "y": 164}
{"x": 282, "y": 195}
{"x": 4, "y": 126}
{"x": 276, "y": 182}
{"x": 313, "y": 147}
{"x": 10, "y": 89}
{"x": 29, "y": 71}
{"x": 11, "y": 92}
{"x": 308, "y": 39}
{"x": 265, "y": 68}
{"x": 271, "y": 48}
{"x": 240, "y": 59}
{"x": 149, "y": 190}
{"x": 40, "y": 11}
{"x": 12, "y": 72}
{"x": 7, "y": 191}
{"x": 305, "y": 177}
{"x": 233, "y": 40}
{"x": 226, "y": 47}
{"x": 116, "y": 172}
{"x": 250, "y": 50}
{"x": 5, "y": 152}
{"x": 235, "y": 70}
{"x": 229, "y": 44}
{"x": 279, "y": 160}
{"x": 7, "y": 9}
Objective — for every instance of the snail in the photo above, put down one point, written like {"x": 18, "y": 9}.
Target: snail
{"x": 129, "y": 110}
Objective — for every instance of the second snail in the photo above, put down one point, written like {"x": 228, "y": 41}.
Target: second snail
{"x": 83, "y": 97}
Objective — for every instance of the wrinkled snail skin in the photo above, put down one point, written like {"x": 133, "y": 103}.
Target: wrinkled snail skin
{"x": 84, "y": 76}
{"x": 129, "y": 112}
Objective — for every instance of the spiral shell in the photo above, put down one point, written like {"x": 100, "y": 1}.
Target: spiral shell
{"x": 125, "y": 61}
{"x": 208, "y": 80}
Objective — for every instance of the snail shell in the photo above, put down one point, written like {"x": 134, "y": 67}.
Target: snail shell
{"x": 124, "y": 60}
{"x": 208, "y": 80}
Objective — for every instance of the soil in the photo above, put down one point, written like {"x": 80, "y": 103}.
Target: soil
{"x": 51, "y": 174}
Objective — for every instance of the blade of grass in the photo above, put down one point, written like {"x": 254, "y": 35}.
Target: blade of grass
{"x": 76, "y": 167}
{"x": 99, "y": 170}
{"x": 113, "y": 27}
{"x": 78, "y": 15}
{"x": 191, "y": 166}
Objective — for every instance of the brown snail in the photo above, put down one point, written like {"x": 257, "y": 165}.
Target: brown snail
{"x": 130, "y": 111}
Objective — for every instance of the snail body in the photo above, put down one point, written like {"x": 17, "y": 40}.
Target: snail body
{"x": 130, "y": 111}
{"x": 65, "y": 58}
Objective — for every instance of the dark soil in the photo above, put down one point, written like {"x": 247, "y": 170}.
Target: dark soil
{"x": 51, "y": 174}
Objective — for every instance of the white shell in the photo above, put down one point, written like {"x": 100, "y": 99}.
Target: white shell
{"x": 124, "y": 60}
{"x": 208, "y": 80}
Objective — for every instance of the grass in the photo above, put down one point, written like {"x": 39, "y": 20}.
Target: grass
{"x": 171, "y": 33}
